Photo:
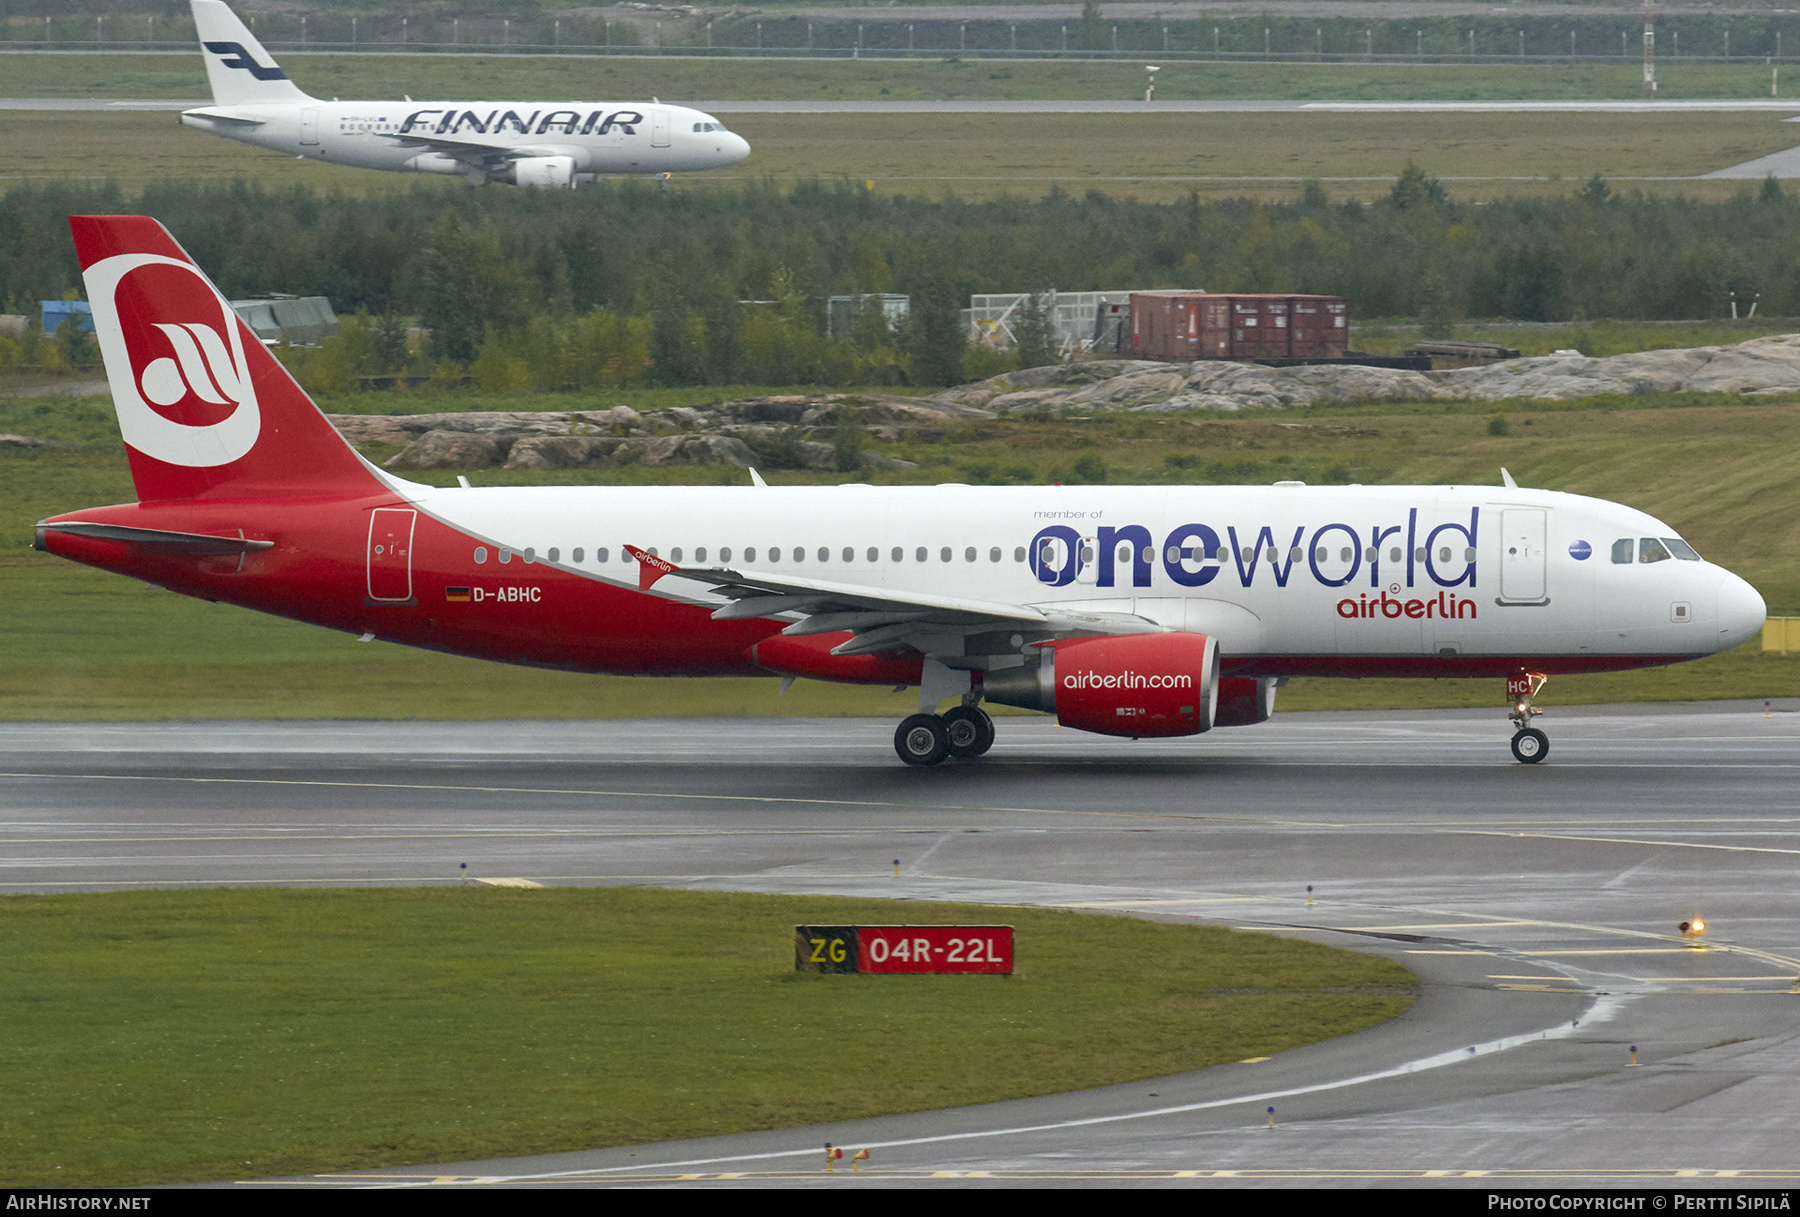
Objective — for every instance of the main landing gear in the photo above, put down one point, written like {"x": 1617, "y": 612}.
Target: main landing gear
{"x": 1529, "y": 745}
{"x": 963, "y": 733}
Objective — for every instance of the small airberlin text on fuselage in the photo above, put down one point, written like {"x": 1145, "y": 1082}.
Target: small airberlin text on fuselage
{"x": 551, "y": 144}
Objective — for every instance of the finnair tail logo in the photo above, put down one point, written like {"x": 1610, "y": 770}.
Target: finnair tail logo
{"x": 233, "y": 55}
{"x": 174, "y": 359}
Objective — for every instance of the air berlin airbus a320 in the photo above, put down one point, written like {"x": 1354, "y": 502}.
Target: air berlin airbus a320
{"x": 1138, "y": 611}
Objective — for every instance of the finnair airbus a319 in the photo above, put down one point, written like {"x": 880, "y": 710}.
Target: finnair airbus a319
{"x": 557, "y": 144}
{"x": 1138, "y": 611}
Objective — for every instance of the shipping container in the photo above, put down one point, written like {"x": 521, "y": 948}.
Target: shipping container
{"x": 1195, "y": 325}
{"x": 1320, "y": 327}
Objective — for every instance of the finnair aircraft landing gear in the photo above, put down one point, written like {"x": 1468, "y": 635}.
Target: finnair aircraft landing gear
{"x": 1529, "y": 745}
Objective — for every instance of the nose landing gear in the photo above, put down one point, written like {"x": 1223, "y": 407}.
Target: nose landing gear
{"x": 1529, "y": 745}
{"x": 963, "y": 733}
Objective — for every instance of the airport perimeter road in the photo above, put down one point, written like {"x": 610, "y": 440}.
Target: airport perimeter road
{"x": 1538, "y": 904}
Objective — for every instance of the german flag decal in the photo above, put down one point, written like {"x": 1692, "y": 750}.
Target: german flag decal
{"x": 456, "y": 593}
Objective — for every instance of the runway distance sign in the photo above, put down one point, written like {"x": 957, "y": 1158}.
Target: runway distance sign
{"x": 936, "y": 949}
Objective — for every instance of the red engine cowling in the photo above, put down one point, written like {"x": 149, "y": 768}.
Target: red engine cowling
{"x": 1135, "y": 685}
{"x": 1244, "y": 700}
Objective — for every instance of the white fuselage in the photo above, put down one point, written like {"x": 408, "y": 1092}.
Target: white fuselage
{"x": 1393, "y": 573}
{"x": 436, "y": 137}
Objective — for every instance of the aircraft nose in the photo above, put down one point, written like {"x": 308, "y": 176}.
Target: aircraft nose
{"x": 1741, "y": 612}
{"x": 736, "y": 147}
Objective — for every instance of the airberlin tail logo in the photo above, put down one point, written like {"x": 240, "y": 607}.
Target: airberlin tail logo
{"x": 175, "y": 361}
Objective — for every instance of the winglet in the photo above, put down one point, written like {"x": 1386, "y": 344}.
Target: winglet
{"x": 650, "y": 567}
{"x": 756, "y": 478}
{"x": 1506, "y": 479}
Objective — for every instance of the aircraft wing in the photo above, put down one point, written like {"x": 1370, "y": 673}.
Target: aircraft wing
{"x": 472, "y": 152}
{"x": 883, "y": 620}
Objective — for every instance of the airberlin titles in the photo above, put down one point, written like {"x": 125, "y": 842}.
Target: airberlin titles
{"x": 1193, "y": 555}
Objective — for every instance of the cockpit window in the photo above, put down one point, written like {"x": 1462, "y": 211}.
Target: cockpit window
{"x": 1681, "y": 549}
{"x": 709, "y": 126}
{"x": 1622, "y": 550}
{"x": 1651, "y": 550}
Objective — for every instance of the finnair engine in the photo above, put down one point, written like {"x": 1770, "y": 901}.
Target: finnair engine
{"x": 553, "y": 172}
{"x": 1135, "y": 685}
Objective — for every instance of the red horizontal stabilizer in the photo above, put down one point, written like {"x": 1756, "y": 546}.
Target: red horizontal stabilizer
{"x": 650, "y": 567}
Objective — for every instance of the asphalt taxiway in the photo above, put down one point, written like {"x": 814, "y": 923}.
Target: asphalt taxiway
{"x": 1537, "y": 904}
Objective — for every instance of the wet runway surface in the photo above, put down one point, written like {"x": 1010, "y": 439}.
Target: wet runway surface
{"x": 1538, "y": 905}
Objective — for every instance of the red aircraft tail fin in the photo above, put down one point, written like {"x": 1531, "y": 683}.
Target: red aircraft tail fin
{"x": 203, "y": 406}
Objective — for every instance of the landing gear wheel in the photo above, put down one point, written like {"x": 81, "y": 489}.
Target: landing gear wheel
{"x": 921, "y": 740}
{"x": 1530, "y": 746}
{"x": 970, "y": 731}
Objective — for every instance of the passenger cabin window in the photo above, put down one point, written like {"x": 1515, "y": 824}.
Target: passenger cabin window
{"x": 480, "y": 554}
{"x": 576, "y": 556}
{"x": 920, "y": 555}
{"x": 700, "y": 553}
{"x": 1622, "y": 548}
{"x": 600, "y": 554}
{"x": 724, "y": 553}
{"x": 1651, "y": 550}
{"x": 750, "y": 553}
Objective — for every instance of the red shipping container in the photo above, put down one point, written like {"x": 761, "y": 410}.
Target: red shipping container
{"x": 1318, "y": 326}
{"x": 1196, "y": 325}
{"x": 1166, "y": 325}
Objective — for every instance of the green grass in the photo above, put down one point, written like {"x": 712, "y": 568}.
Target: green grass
{"x": 944, "y": 78}
{"x": 1154, "y": 157}
{"x": 80, "y": 644}
{"x": 158, "y": 1037}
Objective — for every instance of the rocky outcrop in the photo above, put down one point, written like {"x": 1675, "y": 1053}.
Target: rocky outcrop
{"x": 451, "y": 450}
{"x": 791, "y": 432}
{"x": 34, "y": 441}
{"x": 1762, "y": 365}
{"x": 402, "y": 429}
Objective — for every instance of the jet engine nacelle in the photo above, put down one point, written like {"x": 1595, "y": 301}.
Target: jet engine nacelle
{"x": 1135, "y": 685}
{"x": 556, "y": 172}
{"x": 1244, "y": 700}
